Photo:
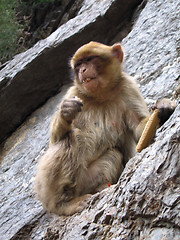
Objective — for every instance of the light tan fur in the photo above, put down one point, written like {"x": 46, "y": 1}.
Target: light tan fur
{"x": 90, "y": 150}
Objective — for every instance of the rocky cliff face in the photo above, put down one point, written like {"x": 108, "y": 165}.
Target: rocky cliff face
{"x": 145, "y": 202}
{"x": 41, "y": 18}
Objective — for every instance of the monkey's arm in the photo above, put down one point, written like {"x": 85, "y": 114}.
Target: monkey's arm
{"x": 59, "y": 127}
{"x": 61, "y": 123}
{"x": 137, "y": 105}
{"x": 162, "y": 111}
{"x": 165, "y": 108}
{"x": 138, "y": 111}
{"x": 139, "y": 114}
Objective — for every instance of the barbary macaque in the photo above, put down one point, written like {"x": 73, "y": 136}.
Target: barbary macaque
{"x": 94, "y": 133}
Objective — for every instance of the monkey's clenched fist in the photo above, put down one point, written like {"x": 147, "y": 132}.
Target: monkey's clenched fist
{"x": 70, "y": 107}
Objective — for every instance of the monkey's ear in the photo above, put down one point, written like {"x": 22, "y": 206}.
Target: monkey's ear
{"x": 117, "y": 51}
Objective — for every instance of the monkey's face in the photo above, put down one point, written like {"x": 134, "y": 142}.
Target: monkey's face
{"x": 97, "y": 67}
{"x": 88, "y": 73}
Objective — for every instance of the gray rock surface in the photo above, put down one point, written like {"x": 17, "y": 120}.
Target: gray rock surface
{"x": 145, "y": 203}
{"x": 21, "y": 151}
{"x": 153, "y": 49}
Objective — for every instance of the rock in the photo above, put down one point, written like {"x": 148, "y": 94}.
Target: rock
{"x": 152, "y": 49}
{"x": 32, "y": 77}
{"x": 19, "y": 208}
{"x": 145, "y": 202}
{"x": 48, "y": 16}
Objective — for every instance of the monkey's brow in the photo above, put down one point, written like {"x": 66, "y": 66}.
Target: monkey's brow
{"x": 87, "y": 58}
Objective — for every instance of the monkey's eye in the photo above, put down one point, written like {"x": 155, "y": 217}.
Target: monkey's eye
{"x": 78, "y": 64}
{"x": 90, "y": 58}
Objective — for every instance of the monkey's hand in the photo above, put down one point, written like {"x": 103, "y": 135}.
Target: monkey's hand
{"x": 162, "y": 111}
{"x": 166, "y": 108}
{"x": 70, "y": 108}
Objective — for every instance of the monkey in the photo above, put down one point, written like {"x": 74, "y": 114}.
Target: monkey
{"x": 94, "y": 132}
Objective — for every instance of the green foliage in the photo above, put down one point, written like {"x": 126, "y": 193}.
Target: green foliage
{"x": 9, "y": 29}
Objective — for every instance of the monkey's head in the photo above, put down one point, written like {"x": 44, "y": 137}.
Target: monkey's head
{"x": 97, "y": 67}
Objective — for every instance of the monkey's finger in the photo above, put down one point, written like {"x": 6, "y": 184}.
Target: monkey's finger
{"x": 67, "y": 115}
{"x": 72, "y": 101}
{"x": 70, "y": 111}
{"x": 71, "y": 108}
{"x": 79, "y": 103}
{"x": 77, "y": 98}
{"x": 149, "y": 131}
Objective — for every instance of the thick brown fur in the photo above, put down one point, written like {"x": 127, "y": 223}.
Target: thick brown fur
{"x": 94, "y": 133}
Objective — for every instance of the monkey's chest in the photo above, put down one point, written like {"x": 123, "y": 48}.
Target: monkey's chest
{"x": 95, "y": 134}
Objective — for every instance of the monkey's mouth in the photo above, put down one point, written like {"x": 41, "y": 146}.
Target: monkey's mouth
{"x": 86, "y": 80}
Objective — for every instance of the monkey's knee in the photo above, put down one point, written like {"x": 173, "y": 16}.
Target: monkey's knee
{"x": 104, "y": 170}
{"x": 116, "y": 158}
{"x": 57, "y": 200}
{"x": 53, "y": 183}
{"x": 115, "y": 164}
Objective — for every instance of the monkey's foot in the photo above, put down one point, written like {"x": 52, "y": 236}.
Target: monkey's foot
{"x": 75, "y": 206}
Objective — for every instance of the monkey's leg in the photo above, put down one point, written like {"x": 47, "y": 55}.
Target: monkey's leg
{"x": 104, "y": 170}
{"x": 56, "y": 182}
